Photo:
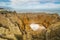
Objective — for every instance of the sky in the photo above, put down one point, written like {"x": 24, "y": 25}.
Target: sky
{"x": 31, "y": 4}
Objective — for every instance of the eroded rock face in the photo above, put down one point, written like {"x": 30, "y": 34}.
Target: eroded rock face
{"x": 53, "y": 32}
{"x": 18, "y": 26}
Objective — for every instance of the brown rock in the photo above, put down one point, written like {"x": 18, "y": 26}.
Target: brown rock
{"x": 17, "y": 26}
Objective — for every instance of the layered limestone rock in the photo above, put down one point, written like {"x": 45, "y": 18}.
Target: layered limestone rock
{"x": 18, "y": 26}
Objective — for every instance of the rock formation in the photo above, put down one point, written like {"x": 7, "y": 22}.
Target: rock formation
{"x": 14, "y": 26}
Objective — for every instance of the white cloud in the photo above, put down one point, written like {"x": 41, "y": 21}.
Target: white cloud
{"x": 31, "y": 4}
{"x": 50, "y": 1}
{"x": 21, "y": 2}
{"x": 34, "y": 4}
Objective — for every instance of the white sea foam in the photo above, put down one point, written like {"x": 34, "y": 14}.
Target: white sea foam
{"x": 36, "y": 27}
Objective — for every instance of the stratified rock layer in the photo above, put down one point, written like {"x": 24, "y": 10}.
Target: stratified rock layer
{"x": 17, "y": 26}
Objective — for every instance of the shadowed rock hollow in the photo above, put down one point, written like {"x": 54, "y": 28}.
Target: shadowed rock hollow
{"x": 17, "y": 26}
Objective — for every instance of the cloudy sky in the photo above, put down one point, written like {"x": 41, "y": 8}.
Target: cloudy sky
{"x": 31, "y": 4}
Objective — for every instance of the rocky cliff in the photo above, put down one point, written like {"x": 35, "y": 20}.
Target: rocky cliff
{"x": 14, "y": 26}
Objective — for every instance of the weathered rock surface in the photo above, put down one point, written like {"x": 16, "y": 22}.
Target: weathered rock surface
{"x": 17, "y": 26}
